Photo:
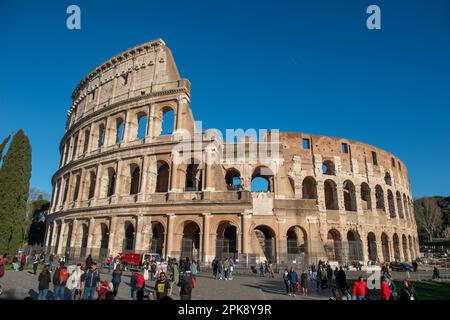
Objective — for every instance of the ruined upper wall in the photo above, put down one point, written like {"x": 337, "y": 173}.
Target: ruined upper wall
{"x": 143, "y": 69}
{"x": 358, "y": 161}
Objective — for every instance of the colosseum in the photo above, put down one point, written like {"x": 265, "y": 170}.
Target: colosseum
{"x": 137, "y": 174}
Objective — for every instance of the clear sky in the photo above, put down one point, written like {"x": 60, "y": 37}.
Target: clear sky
{"x": 308, "y": 66}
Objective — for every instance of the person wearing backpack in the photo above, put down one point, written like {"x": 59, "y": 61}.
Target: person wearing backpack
{"x": 116, "y": 279}
{"x": 44, "y": 283}
{"x": 133, "y": 283}
{"x": 59, "y": 281}
{"x": 91, "y": 280}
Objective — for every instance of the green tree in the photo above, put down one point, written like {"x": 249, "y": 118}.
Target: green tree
{"x": 3, "y": 145}
{"x": 15, "y": 175}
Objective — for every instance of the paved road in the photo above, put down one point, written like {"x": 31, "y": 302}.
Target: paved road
{"x": 18, "y": 285}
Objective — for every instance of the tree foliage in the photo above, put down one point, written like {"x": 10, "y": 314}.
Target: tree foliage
{"x": 429, "y": 217}
{"x": 3, "y": 145}
{"x": 15, "y": 175}
{"x": 36, "y": 232}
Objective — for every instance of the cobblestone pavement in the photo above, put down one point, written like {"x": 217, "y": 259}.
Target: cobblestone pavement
{"x": 19, "y": 285}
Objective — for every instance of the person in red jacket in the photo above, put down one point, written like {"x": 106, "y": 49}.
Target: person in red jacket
{"x": 360, "y": 290}
{"x": 385, "y": 291}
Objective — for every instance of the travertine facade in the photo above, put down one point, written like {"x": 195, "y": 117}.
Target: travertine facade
{"x": 119, "y": 187}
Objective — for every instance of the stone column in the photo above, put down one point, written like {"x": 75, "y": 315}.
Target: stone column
{"x": 143, "y": 184}
{"x": 47, "y": 237}
{"x": 112, "y": 235}
{"x": 246, "y": 236}
{"x": 170, "y": 233}
{"x": 90, "y": 235}
{"x": 61, "y": 237}
{"x": 209, "y": 170}
{"x": 365, "y": 247}
{"x": 138, "y": 237}
{"x": 206, "y": 257}
{"x": 54, "y": 236}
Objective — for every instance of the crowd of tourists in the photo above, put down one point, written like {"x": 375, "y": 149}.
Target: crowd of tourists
{"x": 223, "y": 268}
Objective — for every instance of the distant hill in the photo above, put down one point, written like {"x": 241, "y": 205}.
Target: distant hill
{"x": 35, "y": 193}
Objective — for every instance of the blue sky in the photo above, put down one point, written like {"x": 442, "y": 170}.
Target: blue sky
{"x": 308, "y": 66}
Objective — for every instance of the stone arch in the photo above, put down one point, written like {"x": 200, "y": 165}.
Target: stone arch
{"x": 366, "y": 199}
{"x": 399, "y": 205}
{"x": 233, "y": 179}
{"x": 333, "y": 246}
{"x": 297, "y": 241}
{"x": 349, "y": 194}
{"x": 164, "y": 115}
{"x": 86, "y": 136}
{"x": 158, "y": 236}
{"x": 379, "y": 196}
{"x": 331, "y": 197}
{"x": 129, "y": 237}
{"x": 226, "y": 240}
{"x": 101, "y": 135}
{"x": 119, "y": 130}
{"x": 108, "y": 182}
{"x": 328, "y": 168}
{"x": 141, "y": 131}
{"x": 372, "y": 246}
{"x": 385, "y": 247}
{"x": 133, "y": 179}
{"x": 266, "y": 237}
{"x": 405, "y": 247}
{"x": 162, "y": 176}
{"x": 387, "y": 178}
{"x": 190, "y": 242}
{"x": 396, "y": 244}
{"x": 91, "y": 184}
{"x": 355, "y": 248}
{"x": 259, "y": 174}
{"x": 309, "y": 188}
{"x": 391, "y": 203}
{"x": 194, "y": 176}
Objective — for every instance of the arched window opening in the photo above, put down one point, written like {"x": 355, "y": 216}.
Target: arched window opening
{"x": 233, "y": 180}
{"x": 77, "y": 187}
{"x": 399, "y": 205}
{"x": 396, "y": 241}
{"x": 349, "y": 196}
{"x": 128, "y": 244}
{"x": 388, "y": 179}
{"x": 366, "y": 200}
{"x": 104, "y": 239}
{"x": 101, "y": 136}
{"x": 157, "y": 241}
{"x": 372, "y": 247}
{"x": 162, "y": 177}
{"x": 193, "y": 176}
{"x": 330, "y": 190}
{"x": 135, "y": 173}
{"x": 355, "y": 250}
{"x": 266, "y": 239}
{"x": 309, "y": 188}
{"x": 92, "y": 178}
{"x": 120, "y": 126}
{"x": 328, "y": 168}
{"x": 385, "y": 247}
{"x": 296, "y": 242}
{"x": 190, "y": 245}
{"x": 142, "y": 126}
{"x": 111, "y": 182}
{"x": 391, "y": 203}
{"x": 405, "y": 248}
{"x": 167, "y": 124}
{"x": 226, "y": 245}
{"x": 333, "y": 246}
{"x": 262, "y": 180}
{"x": 87, "y": 134}
{"x": 379, "y": 195}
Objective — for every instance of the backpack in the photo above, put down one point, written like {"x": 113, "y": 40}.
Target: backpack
{"x": 63, "y": 275}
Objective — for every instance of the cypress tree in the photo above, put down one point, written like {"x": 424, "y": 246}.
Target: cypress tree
{"x": 15, "y": 177}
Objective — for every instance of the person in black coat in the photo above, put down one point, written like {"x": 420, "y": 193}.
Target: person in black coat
{"x": 185, "y": 284}
{"x": 408, "y": 292}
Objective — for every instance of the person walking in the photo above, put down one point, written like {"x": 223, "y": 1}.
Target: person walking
{"x": 293, "y": 280}
{"x": 185, "y": 285}
{"x": 116, "y": 279}
{"x": 175, "y": 272}
{"x": 385, "y": 291}
{"x": 214, "y": 265}
{"x": 74, "y": 283}
{"x": 60, "y": 277}
{"x": 220, "y": 269}
{"x": 407, "y": 292}
{"x": 329, "y": 276}
{"x": 162, "y": 287}
{"x": 36, "y": 260}
{"x": 89, "y": 261}
{"x": 261, "y": 270}
{"x": 23, "y": 261}
{"x": 436, "y": 274}
{"x": 230, "y": 274}
{"x": 44, "y": 283}
{"x": 226, "y": 266}
{"x": 15, "y": 263}
{"x": 90, "y": 279}
{"x": 286, "y": 281}
{"x": 304, "y": 283}
{"x": 194, "y": 269}
{"x": 360, "y": 290}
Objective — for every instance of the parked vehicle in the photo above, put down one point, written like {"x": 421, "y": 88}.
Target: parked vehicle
{"x": 401, "y": 266}
{"x": 134, "y": 261}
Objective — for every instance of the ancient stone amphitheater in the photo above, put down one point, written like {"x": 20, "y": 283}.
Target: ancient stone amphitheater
{"x": 122, "y": 187}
